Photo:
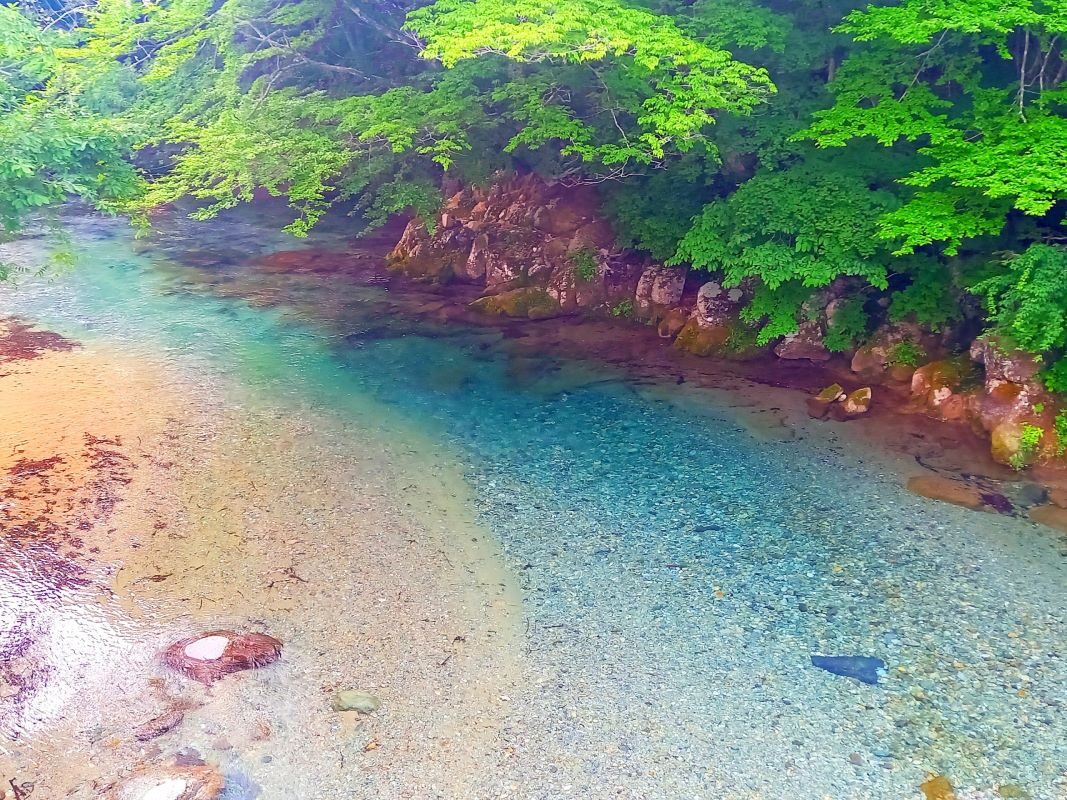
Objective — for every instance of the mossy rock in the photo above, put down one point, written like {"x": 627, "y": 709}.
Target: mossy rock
{"x": 527, "y": 303}
{"x": 700, "y": 340}
{"x": 727, "y": 340}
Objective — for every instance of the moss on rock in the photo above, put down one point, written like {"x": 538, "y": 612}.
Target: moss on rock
{"x": 526, "y": 303}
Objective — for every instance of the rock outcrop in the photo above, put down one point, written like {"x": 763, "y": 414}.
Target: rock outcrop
{"x": 522, "y": 233}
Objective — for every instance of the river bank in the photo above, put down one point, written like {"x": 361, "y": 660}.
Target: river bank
{"x": 142, "y": 505}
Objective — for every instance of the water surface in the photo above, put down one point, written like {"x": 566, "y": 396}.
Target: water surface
{"x": 676, "y": 571}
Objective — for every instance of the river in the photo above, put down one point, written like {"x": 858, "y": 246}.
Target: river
{"x": 560, "y": 581}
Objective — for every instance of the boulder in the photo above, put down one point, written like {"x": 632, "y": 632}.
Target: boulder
{"x": 804, "y": 343}
{"x": 858, "y": 402}
{"x": 658, "y": 290}
{"x": 716, "y": 305}
{"x": 194, "y": 782}
{"x": 210, "y": 656}
{"x": 870, "y": 362}
{"x": 936, "y": 387}
{"x": 1004, "y": 364}
{"x": 819, "y": 406}
{"x": 436, "y": 258}
{"x": 1006, "y": 442}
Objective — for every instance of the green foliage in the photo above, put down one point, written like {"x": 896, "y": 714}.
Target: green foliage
{"x": 53, "y": 149}
{"x": 929, "y": 299}
{"x": 1054, "y": 376}
{"x": 784, "y": 143}
{"x": 624, "y": 308}
{"x": 1029, "y": 442}
{"x": 906, "y": 354}
{"x": 1060, "y": 425}
{"x": 665, "y": 86}
{"x": 805, "y": 224}
{"x": 974, "y": 87}
{"x": 1027, "y": 299}
{"x": 775, "y": 309}
{"x": 653, "y": 213}
{"x": 849, "y": 325}
{"x": 584, "y": 263}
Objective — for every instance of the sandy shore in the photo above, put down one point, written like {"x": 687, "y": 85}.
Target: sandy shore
{"x": 140, "y": 506}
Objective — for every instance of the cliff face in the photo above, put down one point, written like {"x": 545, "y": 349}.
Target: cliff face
{"x": 542, "y": 251}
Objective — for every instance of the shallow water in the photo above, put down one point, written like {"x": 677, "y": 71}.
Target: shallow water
{"x": 676, "y": 571}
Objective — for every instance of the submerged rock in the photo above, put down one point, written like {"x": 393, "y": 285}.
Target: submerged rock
{"x": 356, "y": 700}
{"x": 938, "y": 788}
{"x": 528, "y": 303}
{"x": 861, "y": 668}
{"x": 170, "y": 783}
{"x": 157, "y": 726}
{"x": 212, "y": 655}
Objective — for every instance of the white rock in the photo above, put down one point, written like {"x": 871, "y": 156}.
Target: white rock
{"x": 207, "y": 649}
{"x": 172, "y": 789}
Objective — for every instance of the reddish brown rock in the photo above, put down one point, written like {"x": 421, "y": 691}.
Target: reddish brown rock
{"x": 1006, "y": 442}
{"x": 529, "y": 303}
{"x": 936, "y": 487}
{"x": 716, "y": 305}
{"x": 870, "y": 362}
{"x": 659, "y": 290}
{"x": 672, "y": 324}
{"x": 901, "y": 373}
{"x": 804, "y": 343}
{"x": 157, "y": 726}
{"x": 702, "y": 340}
{"x": 194, "y": 782}
{"x": 1004, "y": 363}
{"x": 210, "y": 656}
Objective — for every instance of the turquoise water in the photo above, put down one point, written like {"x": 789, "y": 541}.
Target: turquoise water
{"x": 677, "y": 572}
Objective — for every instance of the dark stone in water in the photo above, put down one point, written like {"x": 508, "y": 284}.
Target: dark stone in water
{"x": 998, "y": 503}
{"x": 862, "y": 668}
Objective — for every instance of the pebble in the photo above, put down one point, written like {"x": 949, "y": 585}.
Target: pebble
{"x": 356, "y": 700}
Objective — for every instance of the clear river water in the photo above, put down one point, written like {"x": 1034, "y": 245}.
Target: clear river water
{"x": 560, "y": 581}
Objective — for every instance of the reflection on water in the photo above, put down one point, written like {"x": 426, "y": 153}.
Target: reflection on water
{"x": 338, "y": 454}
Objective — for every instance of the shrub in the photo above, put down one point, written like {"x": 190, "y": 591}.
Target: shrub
{"x": 584, "y": 262}
{"x": 1028, "y": 445}
{"x": 906, "y": 354}
{"x": 848, "y": 326}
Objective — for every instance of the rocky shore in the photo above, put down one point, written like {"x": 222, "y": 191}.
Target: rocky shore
{"x": 521, "y": 250}
{"x": 181, "y": 608}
